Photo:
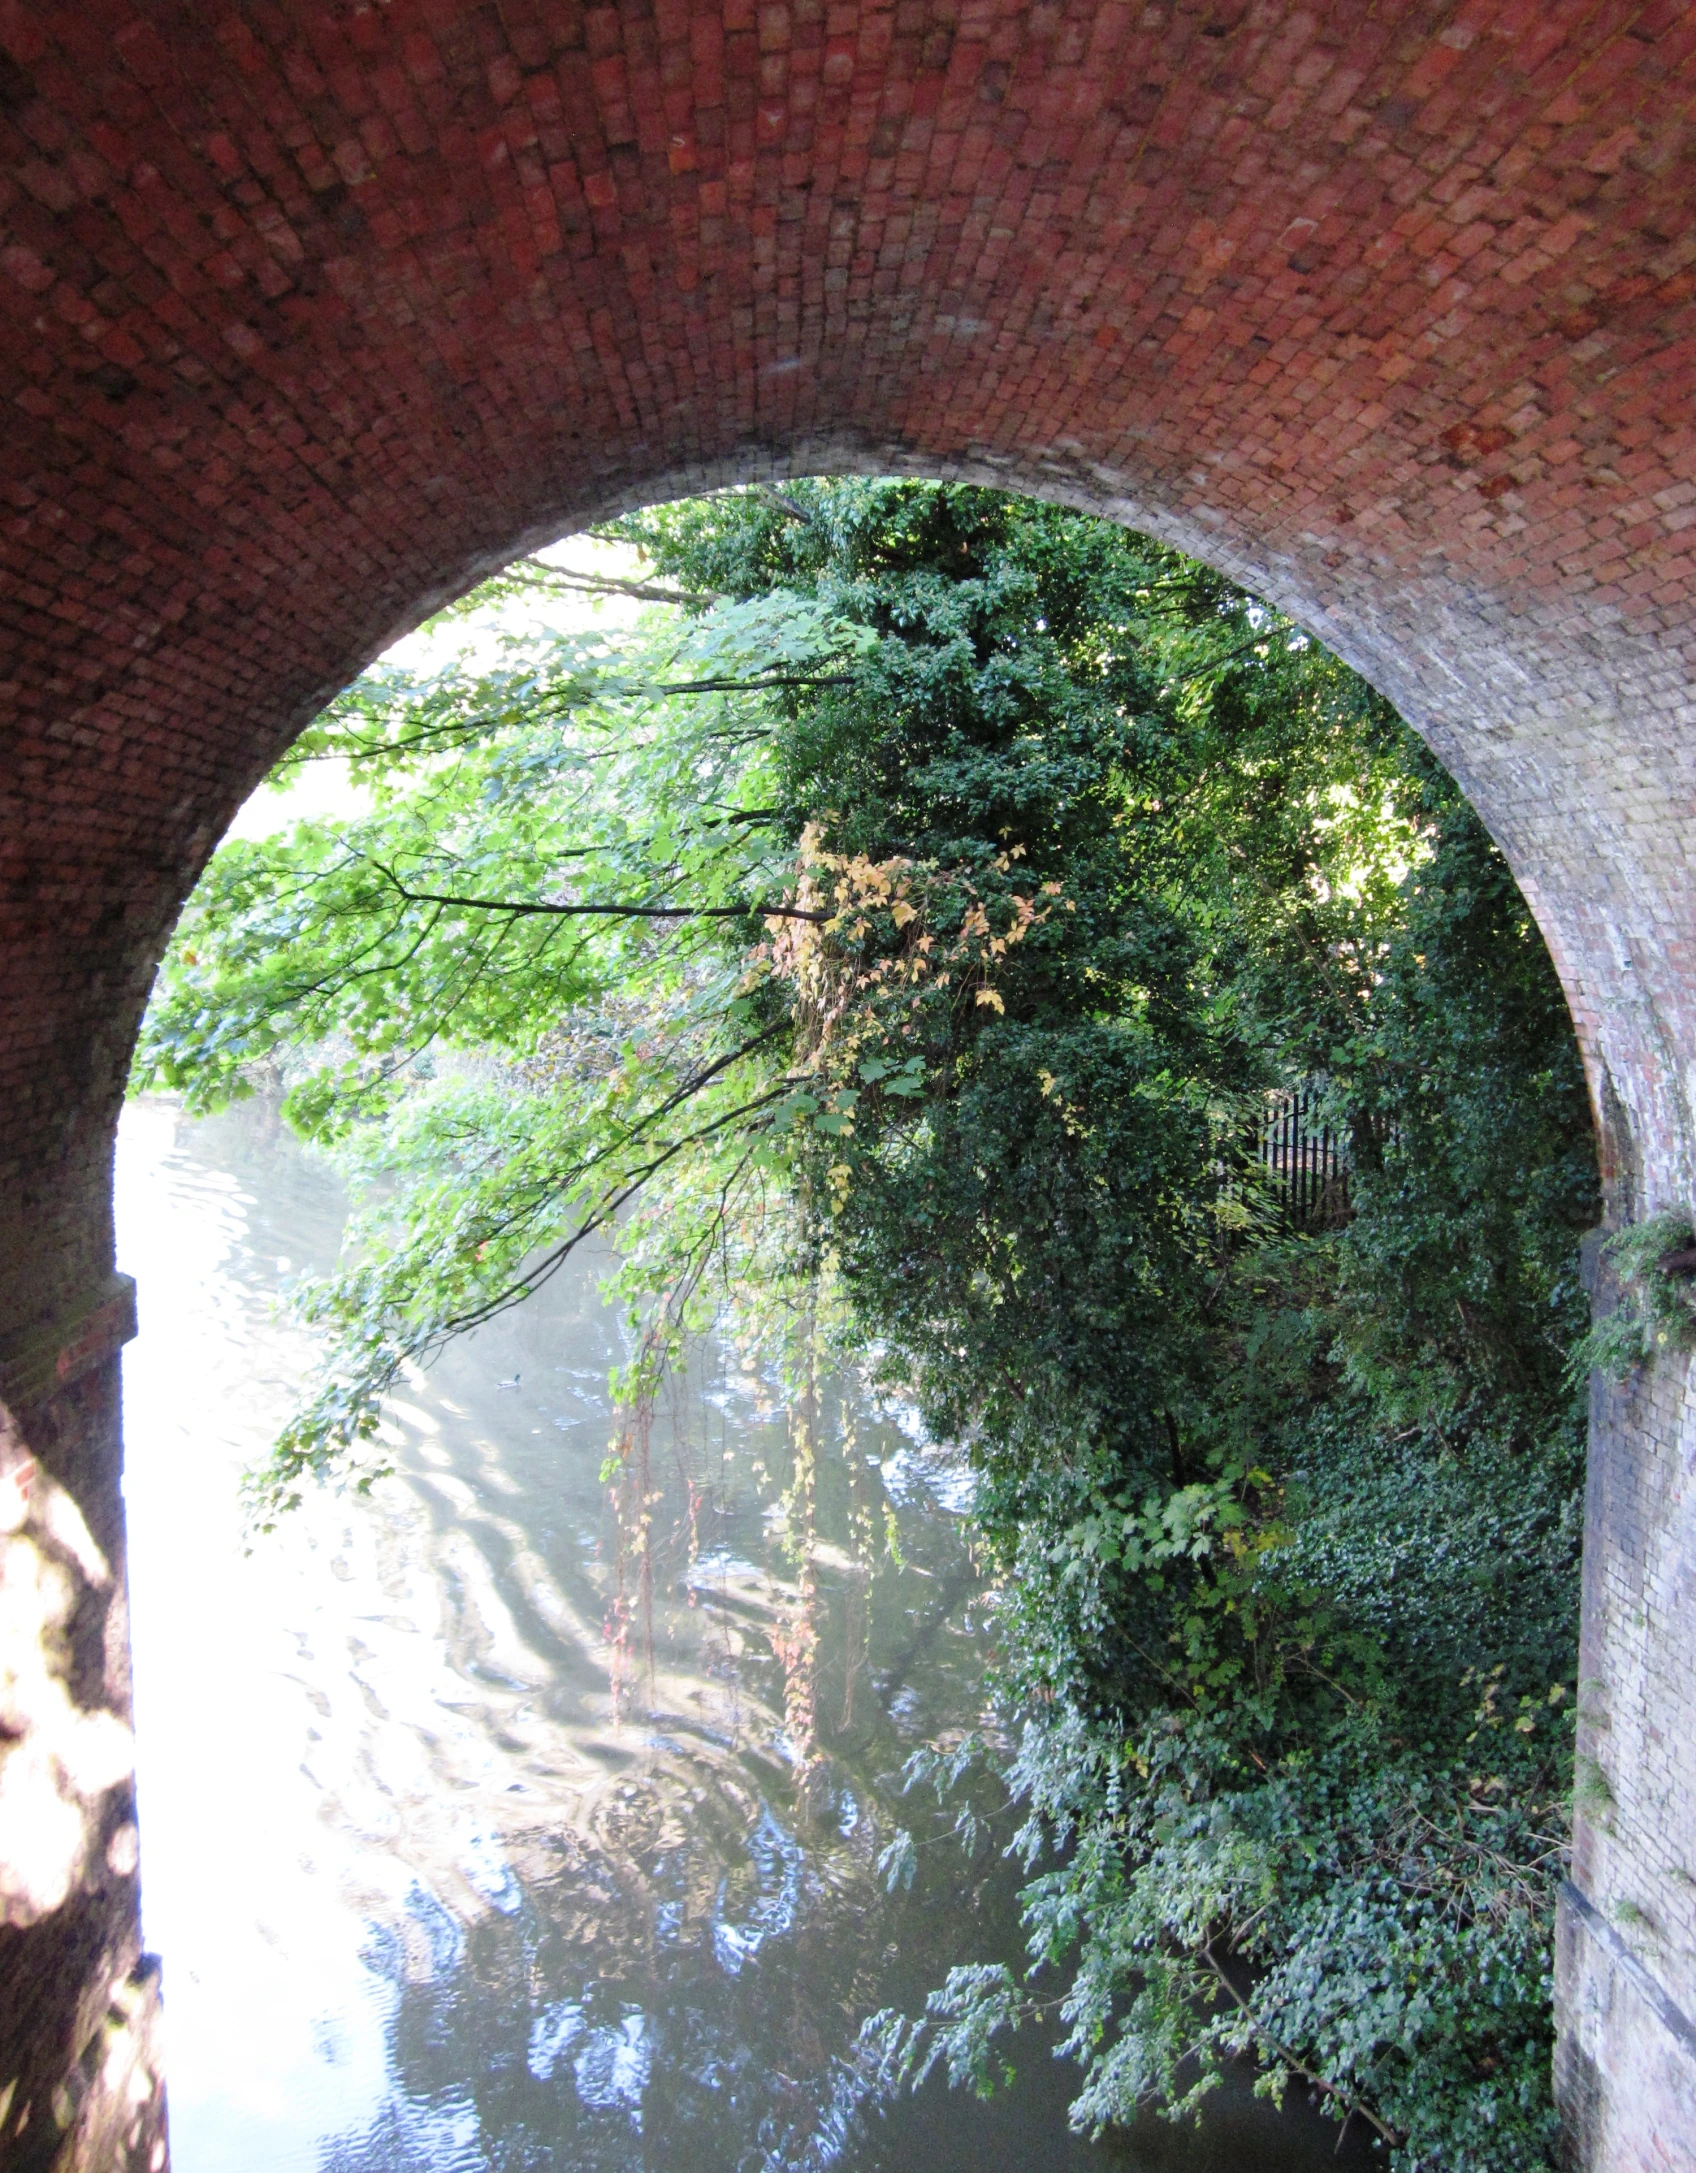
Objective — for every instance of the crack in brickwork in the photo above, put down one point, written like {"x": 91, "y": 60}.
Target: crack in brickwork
{"x": 312, "y": 311}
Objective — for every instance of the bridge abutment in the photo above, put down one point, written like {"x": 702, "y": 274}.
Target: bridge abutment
{"x": 1625, "y": 1960}
{"x": 81, "y": 2082}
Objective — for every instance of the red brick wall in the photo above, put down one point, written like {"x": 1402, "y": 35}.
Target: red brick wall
{"x": 310, "y": 313}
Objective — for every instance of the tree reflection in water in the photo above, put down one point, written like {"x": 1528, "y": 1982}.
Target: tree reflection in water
{"x": 604, "y": 1772}
{"x": 675, "y": 1978}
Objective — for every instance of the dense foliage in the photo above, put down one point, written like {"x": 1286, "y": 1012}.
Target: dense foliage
{"x": 920, "y": 911}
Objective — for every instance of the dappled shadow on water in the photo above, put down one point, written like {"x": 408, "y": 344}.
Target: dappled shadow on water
{"x": 673, "y": 2064}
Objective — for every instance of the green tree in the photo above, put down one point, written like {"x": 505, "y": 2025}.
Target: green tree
{"x": 916, "y": 915}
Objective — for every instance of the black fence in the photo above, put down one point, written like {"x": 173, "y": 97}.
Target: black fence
{"x": 1308, "y": 1163}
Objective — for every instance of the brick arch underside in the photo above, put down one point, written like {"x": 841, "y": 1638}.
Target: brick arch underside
{"x": 314, "y": 312}
{"x": 311, "y": 314}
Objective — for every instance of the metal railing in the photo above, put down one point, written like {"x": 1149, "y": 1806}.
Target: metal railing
{"x": 1308, "y": 1163}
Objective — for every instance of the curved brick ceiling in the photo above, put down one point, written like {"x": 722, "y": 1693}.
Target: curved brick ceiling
{"x": 313, "y": 312}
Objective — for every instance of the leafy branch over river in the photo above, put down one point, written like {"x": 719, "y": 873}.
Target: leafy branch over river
{"x": 895, "y": 938}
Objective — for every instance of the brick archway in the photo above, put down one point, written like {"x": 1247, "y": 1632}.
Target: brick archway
{"x": 313, "y": 312}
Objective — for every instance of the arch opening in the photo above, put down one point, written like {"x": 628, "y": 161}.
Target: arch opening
{"x": 1173, "y": 1452}
{"x": 1054, "y": 491}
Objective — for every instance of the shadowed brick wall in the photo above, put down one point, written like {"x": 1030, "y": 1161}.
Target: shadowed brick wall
{"x": 312, "y": 313}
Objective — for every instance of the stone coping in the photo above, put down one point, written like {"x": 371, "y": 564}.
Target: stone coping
{"x": 42, "y": 1361}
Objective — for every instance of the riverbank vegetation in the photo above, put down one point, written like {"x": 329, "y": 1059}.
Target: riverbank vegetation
{"x": 903, "y": 933}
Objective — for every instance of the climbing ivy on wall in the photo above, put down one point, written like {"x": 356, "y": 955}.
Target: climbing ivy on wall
{"x": 921, "y": 905}
{"x": 1655, "y": 1300}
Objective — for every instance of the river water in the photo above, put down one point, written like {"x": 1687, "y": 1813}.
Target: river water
{"x": 467, "y": 1846}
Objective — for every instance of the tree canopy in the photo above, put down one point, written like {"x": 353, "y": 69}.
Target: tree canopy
{"x": 921, "y": 910}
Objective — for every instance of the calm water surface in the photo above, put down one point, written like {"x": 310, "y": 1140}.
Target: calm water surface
{"x": 466, "y": 1851}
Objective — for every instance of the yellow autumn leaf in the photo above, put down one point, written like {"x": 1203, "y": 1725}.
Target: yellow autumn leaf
{"x": 989, "y": 996}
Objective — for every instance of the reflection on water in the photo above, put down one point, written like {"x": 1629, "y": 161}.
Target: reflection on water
{"x": 463, "y": 1850}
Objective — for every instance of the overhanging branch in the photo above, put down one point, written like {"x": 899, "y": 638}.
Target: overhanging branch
{"x": 522, "y": 908}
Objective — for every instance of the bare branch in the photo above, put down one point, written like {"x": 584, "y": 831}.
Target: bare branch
{"x": 522, "y": 907}
{"x": 537, "y": 574}
{"x": 785, "y": 504}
